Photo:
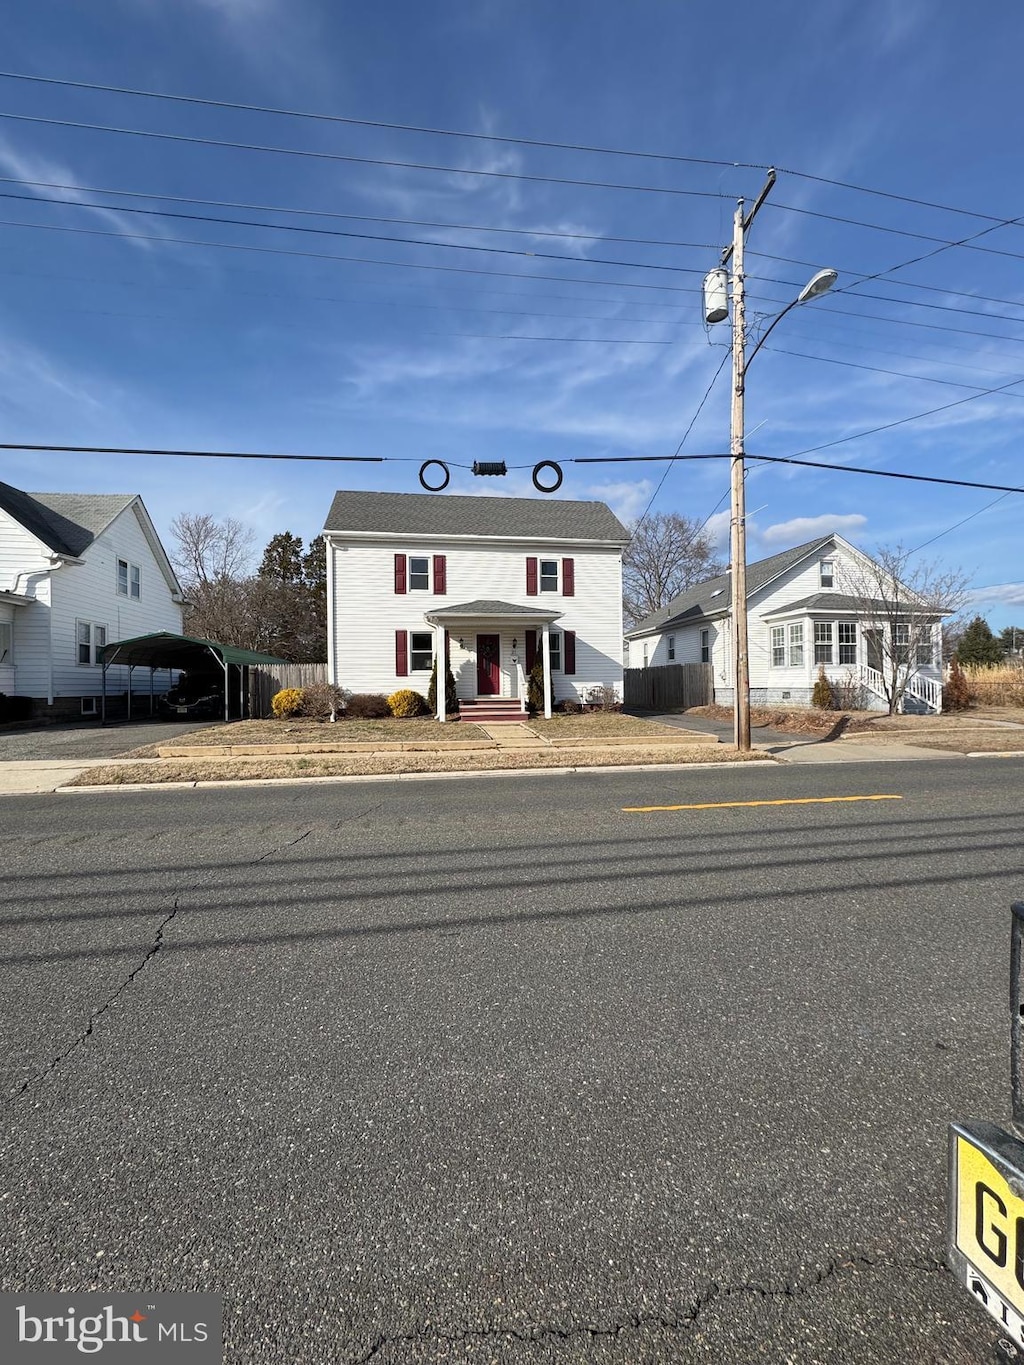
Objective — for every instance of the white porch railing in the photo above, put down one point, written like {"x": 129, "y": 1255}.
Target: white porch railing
{"x": 925, "y": 690}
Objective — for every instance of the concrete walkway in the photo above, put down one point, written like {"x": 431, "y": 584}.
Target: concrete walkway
{"x": 514, "y": 736}
{"x": 47, "y": 774}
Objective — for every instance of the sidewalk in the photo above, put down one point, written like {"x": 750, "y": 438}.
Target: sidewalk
{"x": 37, "y": 775}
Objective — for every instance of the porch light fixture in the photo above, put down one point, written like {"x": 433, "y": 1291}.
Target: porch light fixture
{"x": 515, "y": 643}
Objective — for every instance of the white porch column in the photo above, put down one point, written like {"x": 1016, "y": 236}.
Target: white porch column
{"x": 440, "y": 635}
{"x": 546, "y": 651}
{"x": 332, "y": 654}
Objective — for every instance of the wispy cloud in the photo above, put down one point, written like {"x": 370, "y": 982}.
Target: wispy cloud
{"x": 626, "y": 499}
{"x": 998, "y": 594}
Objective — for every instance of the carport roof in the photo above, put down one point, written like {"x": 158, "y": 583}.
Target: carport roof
{"x": 164, "y": 650}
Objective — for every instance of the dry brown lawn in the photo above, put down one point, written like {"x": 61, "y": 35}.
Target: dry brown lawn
{"x": 597, "y": 725}
{"x": 323, "y": 733}
{"x": 359, "y": 765}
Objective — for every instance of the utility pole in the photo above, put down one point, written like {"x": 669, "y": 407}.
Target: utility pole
{"x": 738, "y": 523}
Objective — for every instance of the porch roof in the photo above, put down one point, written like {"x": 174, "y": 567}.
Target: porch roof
{"x": 841, "y": 604}
{"x": 489, "y": 609}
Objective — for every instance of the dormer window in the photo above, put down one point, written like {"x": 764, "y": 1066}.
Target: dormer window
{"x": 827, "y": 573}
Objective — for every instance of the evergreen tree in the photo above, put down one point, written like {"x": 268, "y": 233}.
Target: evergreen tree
{"x": 978, "y": 645}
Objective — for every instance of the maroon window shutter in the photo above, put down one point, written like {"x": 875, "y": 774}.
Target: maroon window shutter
{"x": 402, "y": 653}
{"x": 569, "y": 651}
{"x": 440, "y": 575}
{"x": 531, "y": 576}
{"x": 401, "y": 577}
{"x": 531, "y": 650}
{"x": 568, "y": 578}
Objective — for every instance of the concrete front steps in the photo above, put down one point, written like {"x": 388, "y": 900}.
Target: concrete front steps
{"x": 492, "y": 711}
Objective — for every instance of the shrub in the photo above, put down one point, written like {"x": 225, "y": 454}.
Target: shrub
{"x": 405, "y": 703}
{"x": 322, "y": 700}
{"x": 603, "y": 696}
{"x": 956, "y": 695}
{"x": 848, "y": 693}
{"x": 535, "y": 688}
{"x": 822, "y": 696}
{"x": 368, "y": 706}
{"x": 451, "y": 697}
{"x": 999, "y": 686}
{"x": 569, "y": 707}
{"x": 286, "y": 702}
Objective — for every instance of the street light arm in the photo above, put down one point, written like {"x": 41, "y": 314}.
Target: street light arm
{"x": 774, "y": 323}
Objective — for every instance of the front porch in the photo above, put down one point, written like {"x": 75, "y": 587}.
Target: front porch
{"x": 491, "y": 647}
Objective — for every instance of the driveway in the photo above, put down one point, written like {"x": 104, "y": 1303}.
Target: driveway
{"x": 704, "y": 725}
{"x": 90, "y": 740}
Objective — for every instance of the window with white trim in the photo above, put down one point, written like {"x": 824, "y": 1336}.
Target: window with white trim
{"x": 556, "y": 650}
{"x": 421, "y": 651}
{"x": 419, "y": 574}
{"x": 925, "y": 651}
{"x": 847, "y": 642}
{"x": 826, "y": 573}
{"x": 89, "y": 707}
{"x": 823, "y": 642}
{"x": 90, "y": 638}
{"x": 549, "y": 575}
{"x": 671, "y": 648}
{"x": 901, "y": 635}
{"x": 6, "y": 643}
{"x": 796, "y": 645}
{"x": 778, "y": 646}
{"x": 645, "y": 654}
{"x": 705, "y": 646}
{"x": 129, "y": 579}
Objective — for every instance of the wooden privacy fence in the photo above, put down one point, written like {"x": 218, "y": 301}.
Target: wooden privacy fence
{"x": 668, "y": 687}
{"x": 265, "y": 682}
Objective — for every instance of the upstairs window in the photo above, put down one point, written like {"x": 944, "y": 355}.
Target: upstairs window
{"x": 549, "y": 575}
{"x": 412, "y": 574}
{"x": 671, "y": 648}
{"x": 705, "y": 646}
{"x": 827, "y": 575}
{"x": 129, "y": 579}
{"x": 419, "y": 573}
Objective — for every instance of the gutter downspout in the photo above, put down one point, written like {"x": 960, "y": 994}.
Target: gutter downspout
{"x": 332, "y": 661}
{"x": 55, "y": 564}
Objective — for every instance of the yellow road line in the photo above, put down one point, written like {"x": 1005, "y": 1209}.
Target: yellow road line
{"x": 789, "y": 801}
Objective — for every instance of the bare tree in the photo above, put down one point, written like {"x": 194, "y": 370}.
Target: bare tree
{"x": 901, "y": 606}
{"x": 206, "y": 551}
{"x": 667, "y": 554}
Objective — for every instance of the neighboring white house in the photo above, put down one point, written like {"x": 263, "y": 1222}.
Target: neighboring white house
{"x": 808, "y": 608}
{"x": 497, "y": 583}
{"x": 78, "y": 571}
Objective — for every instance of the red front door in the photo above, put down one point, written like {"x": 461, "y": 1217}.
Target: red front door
{"x": 488, "y": 675}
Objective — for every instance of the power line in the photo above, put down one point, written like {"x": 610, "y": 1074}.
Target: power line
{"x": 378, "y": 123}
{"x": 371, "y": 217}
{"x": 361, "y": 236}
{"x": 206, "y": 454}
{"x": 900, "y": 374}
{"x": 328, "y": 256}
{"x": 956, "y": 525}
{"x": 351, "y": 159}
{"x": 492, "y": 137}
{"x": 700, "y": 406}
{"x": 880, "y": 227}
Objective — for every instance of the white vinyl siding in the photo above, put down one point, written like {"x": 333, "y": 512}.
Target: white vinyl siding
{"x": 367, "y": 611}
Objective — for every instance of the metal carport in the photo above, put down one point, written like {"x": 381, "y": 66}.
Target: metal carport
{"x": 164, "y": 650}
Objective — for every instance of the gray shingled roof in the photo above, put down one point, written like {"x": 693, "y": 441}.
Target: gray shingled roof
{"x": 413, "y": 514}
{"x": 842, "y": 603}
{"x": 484, "y": 607}
{"x": 66, "y": 522}
{"x": 715, "y": 595}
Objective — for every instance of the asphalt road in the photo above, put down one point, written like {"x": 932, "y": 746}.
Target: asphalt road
{"x": 493, "y": 1070}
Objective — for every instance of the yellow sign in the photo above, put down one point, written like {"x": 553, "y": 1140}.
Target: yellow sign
{"x": 990, "y": 1224}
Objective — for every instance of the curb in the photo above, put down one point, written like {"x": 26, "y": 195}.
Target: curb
{"x": 399, "y": 777}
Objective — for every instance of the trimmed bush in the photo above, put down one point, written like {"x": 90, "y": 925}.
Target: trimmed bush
{"x": 368, "y": 706}
{"x": 321, "y": 700}
{"x": 822, "y": 696}
{"x": 286, "y": 702}
{"x": 451, "y": 697}
{"x": 535, "y": 688}
{"x": 406, "y": 703}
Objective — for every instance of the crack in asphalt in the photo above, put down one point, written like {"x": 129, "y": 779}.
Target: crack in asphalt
{"x": 667, "y": 1322}
{"x": 96, "y": 1014}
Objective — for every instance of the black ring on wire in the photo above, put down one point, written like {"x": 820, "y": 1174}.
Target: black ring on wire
{"x": 434, "y": 487}
{"x": 545, "y": 488}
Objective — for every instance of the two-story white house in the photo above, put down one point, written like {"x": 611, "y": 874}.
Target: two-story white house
{"x": 816, "y": 606}
{"x": 493, "y": 584}
{"x": 78, "y": 571}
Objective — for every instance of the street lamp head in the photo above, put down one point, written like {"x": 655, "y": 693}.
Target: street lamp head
{"x": 820, "y": 283}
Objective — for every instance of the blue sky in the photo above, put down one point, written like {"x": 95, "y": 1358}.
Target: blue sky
{"x": 146, "y": 340}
